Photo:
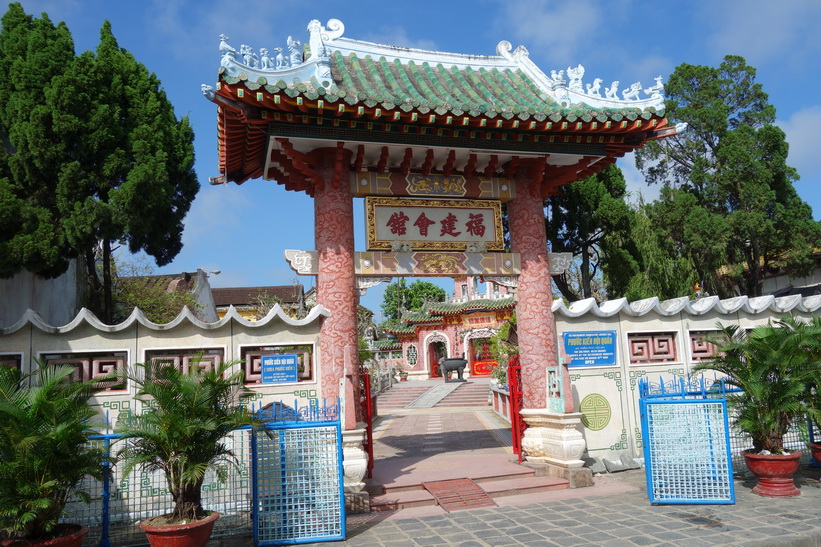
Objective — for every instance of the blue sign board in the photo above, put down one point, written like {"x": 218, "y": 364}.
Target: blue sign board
{"x": 280, "y": 369}
{"x": 590, "y": 348}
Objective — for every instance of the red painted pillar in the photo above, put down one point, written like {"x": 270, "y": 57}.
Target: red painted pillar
{"x": 336, "y": 282}
{"x": 535, "y": 325}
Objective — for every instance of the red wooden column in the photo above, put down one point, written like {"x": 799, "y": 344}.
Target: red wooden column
{"x": 535, "y": 325}
{"x": 335, "y": 281}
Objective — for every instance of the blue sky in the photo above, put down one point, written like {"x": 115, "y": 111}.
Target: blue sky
{"x": 243, "y": 230}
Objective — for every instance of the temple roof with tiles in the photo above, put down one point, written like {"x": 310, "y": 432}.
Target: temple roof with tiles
{"x": 434, "y": 313}
{"x": 387, "y": 108}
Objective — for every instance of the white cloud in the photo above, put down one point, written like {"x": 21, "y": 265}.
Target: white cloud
{"x": 545, "y": 24}
{"x": 764, "y": 31}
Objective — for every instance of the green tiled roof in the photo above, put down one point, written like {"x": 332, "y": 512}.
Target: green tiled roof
{"x": 401, "y": 329}
{"x": 439, "y": 90}
{"x": 420, "y": 317}
{"x": 482, "y": 304}
{"x": 388, "y": 343}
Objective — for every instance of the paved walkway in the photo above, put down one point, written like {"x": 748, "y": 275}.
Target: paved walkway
{"x": 613, "y": 512}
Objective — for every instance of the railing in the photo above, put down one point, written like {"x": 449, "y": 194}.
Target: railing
{"x": 119, "y": 503}
{"x": 801, "y": 432}
{"x": 517, "y": 423}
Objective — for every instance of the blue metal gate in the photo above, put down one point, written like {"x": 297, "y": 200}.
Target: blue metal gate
{"x": 686, "y": 444}
{"x": 298, "y": 489}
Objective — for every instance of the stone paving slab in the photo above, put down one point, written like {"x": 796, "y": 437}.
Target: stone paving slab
{"x": 623, "y": 517}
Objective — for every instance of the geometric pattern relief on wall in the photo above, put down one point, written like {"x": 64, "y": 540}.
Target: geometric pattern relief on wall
{"x": 92, "y": 365}
{"x": 700, "y": 348}
{"x": 187, "y": 360}
{"x": 652, "y": 348}
{"x": 12, "y": 360}
{"x": 596, "y": 412}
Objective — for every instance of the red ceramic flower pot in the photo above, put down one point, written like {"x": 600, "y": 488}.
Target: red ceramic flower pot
{"x": 815, "y": 450}
{"x": 195, "y": 534}
{"x": 74, "y": 538}
{"x": 774, "y": 473}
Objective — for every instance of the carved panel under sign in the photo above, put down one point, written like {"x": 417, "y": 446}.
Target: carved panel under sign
{"x": 441, "y": 225}
{"x": 500, "y": 268}
{"x": 371, "y": 183}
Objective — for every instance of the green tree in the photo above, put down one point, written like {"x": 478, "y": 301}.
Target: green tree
{"x": 136, "y": 286}
{"x": 119, "y": 165}
{"x": 728, "y": 203}
{"x": 32, "y": 53}
{"x": 400, "y": 296}
{"x": 661, "y": 271}
{"x": 591, "y": 219}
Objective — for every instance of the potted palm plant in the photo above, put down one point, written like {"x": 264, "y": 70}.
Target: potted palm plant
{"x": 45, "y": 453}
{"x": 813, "y": 349}
{"x": 181, "y": 434}
{"x": 772, "y": 367}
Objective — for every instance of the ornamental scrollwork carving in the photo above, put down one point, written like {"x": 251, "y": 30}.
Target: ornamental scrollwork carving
{"x": 559, "y": 262}
{"x": 363, "y": 282}
{"x": 302, "y": 262}
{"x": 505, "y": 281}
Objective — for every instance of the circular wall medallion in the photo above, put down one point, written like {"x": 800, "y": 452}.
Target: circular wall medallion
{"x": 596, "y": 412}
{"x": 363, "y": 182}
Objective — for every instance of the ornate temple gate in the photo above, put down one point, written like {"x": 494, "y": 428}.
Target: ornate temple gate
{"x": 436, "y": 143}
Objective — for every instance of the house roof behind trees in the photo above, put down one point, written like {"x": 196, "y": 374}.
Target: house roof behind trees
{"x": 248, "y": 296}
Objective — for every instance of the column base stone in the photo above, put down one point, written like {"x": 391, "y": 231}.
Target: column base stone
{"x": 578, "y": 477}
{"x": 553, "y": 446}
{"x": 357, "y": 503}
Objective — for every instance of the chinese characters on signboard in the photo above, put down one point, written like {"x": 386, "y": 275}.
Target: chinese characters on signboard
{"x": 591, "y": 348}
{"x": 433, "y": 224}
{"x": 279, "y": 369}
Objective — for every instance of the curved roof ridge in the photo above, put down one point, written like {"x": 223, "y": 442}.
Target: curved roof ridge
{"x": 758, "y": 304}
{"x": 29, "y": 316}
{"x": 674, "y": 305}
{"x": 611, "y": 307}
{"x": 86, "y": 316}
{"x": 811, "y": 303}
{"x": 702, "y": 305}
{"x": 640, "y": 307}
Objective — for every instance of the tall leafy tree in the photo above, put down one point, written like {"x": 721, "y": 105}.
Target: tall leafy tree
{"x": 400, "y": 296}
{"x": 591, "y": 219}
{"x": 661, "y": 271}
{"x": 728, "y": 204}
{"x": 32, "y": 53}
{"x": 121, "y": 164}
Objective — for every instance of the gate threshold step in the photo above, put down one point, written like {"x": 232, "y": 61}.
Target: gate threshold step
{"x": 501, "y": 488}
{"x": 410, "y": 483}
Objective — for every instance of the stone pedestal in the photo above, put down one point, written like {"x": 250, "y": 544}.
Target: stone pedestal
{"x": 355, "y": 466}
{"x": 553, "y": 446}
